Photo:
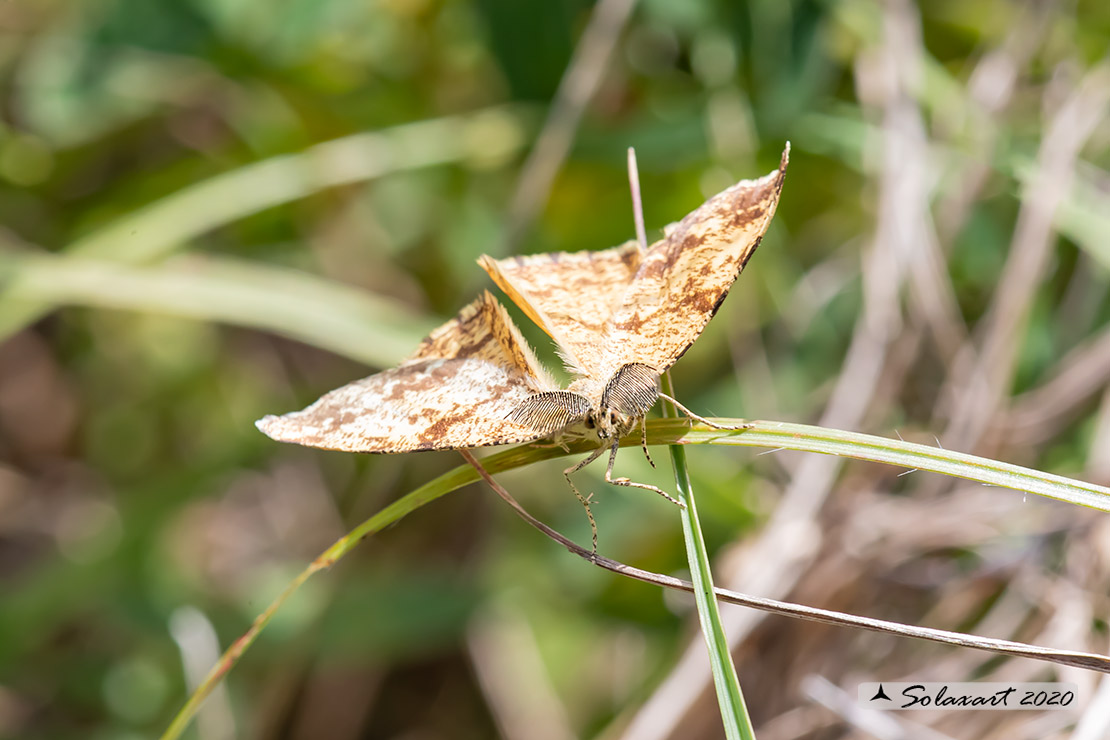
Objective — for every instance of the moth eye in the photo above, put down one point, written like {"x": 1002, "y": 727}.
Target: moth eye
{"x": 590, "y": 422}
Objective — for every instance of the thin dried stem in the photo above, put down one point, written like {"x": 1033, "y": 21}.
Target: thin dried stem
{"x": 1038, "y": 415}
{"x": 975, "y": 391}
{"x": 1089, "y": 661}
{"x": 579, "y": 83}
{"x": 637, "y": 202}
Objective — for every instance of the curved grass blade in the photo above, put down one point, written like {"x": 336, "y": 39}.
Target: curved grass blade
{"x": 442, "y": 485}
{"x": 673, "y": 432}
{"x": 157, "y": 230}
{"x": 316, "y": 311}
{"x": 781, "y": 435}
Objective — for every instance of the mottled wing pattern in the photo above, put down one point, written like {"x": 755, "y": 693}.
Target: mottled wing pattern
{"x": 683, "y": 278}
{"x": 458, "y": 390}
{"x": 569, "y": 295}
{"x": 484, "y": 331}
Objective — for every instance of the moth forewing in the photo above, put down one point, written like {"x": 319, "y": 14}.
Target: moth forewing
{"x": 569, "y": 295}
{"x": 459, "y": 389}
{"x": 684, "y": 278}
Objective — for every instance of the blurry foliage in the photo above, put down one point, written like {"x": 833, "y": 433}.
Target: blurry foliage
{"x": 132, "y": 480}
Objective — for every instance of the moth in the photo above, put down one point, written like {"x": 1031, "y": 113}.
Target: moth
{"x": 619, "y": 317}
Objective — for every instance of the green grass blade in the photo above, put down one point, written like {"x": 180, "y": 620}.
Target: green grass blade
{"x": 442, "y": 485}
{"x": 730, "y": 699}
{"x": 319, "y": 312}
{"x": 157, "y": 230}
{"x": 912, "y": 456}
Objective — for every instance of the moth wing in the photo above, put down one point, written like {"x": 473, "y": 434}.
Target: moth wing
{"x": 569, "y": 295}
{"x": 483, "y": 330}
{"x": 684, "y": 277}
{"x": 457, "y": 390}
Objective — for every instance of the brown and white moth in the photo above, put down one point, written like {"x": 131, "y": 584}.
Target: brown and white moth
{"x": 620, "y": 317}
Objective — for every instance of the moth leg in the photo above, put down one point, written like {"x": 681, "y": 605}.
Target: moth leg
{"x": 589, "y": 515}
{"x": 632, "y": 484}
{"x": 643, "y": 440}
{"x": 561, "y": 439}
{"x": 550, "y": 445}
{"x": 584, "y": 500}
{"x": 584, "y": 462}
{"x": 702, "y": 419}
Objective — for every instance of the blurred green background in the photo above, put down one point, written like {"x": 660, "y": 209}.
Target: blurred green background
{"x": 217, "y": 209}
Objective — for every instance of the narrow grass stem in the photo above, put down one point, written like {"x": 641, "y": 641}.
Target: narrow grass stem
{"x": 730, "y": 699}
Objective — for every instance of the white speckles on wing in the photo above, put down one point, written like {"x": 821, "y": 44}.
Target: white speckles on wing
{"x": 424, "y": 405}
{"x": 457, "y": 390}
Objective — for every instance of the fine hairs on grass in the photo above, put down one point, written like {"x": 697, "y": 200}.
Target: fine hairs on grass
{"x": 677, "y": 433}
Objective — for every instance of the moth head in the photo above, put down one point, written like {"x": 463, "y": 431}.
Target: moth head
{"x": 610, "y": 424}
